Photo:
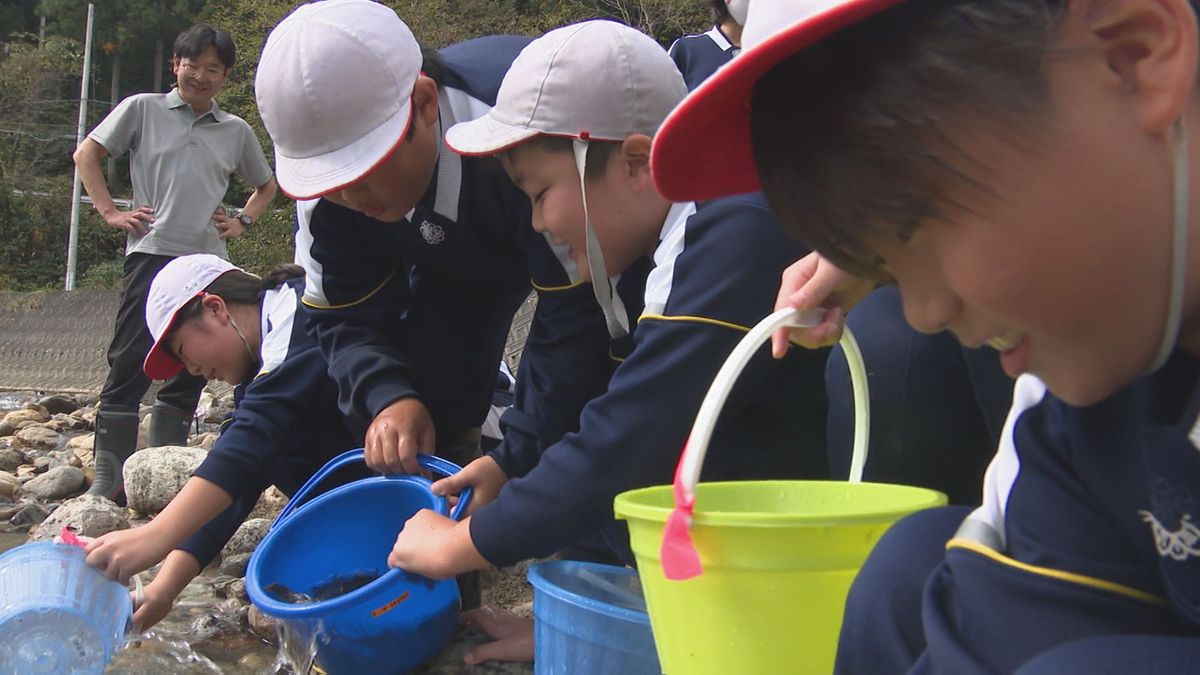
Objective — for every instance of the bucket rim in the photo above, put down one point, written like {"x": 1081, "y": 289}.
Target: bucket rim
{"x": 540, "y": 583}
{"x": 626, "y": 507}
{"x": 289, "y": 610}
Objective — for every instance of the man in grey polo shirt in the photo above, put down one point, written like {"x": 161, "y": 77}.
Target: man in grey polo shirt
{"x": 183, "y": 149}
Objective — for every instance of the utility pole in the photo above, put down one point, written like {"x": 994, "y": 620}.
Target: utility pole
{"x": 73, "y": 241}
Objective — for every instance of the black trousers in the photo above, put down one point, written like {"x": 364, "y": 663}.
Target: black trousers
{"x": 127, "y": 383}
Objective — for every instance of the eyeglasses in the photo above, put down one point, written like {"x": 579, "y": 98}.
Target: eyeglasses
{"x": 210, "y": 73}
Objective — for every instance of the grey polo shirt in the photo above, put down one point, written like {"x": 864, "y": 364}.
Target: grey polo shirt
{"x": 180, "y": 165}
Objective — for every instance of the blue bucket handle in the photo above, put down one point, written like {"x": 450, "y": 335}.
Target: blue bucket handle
{"x": 436, "y": 464}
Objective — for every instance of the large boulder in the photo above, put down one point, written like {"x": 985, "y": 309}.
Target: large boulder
{"x": 90, "y": 515}
{"x": 61, "y": 481}
{"x": 155, "y": 475}
{"x": 246, "y": 538}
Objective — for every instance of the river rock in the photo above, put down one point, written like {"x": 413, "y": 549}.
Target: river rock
{"x": 90, "y": 515}
{"x": 83, "y": 447}
{"x": 235, "y": 565}
{"x": 246, "y": 538}
{"x": 7, "y": 429}
{"x": 269, "y": 504}
{"x": 155, "y": 475}
{"x": 8, "y": 484}
{"x": 56, "y": 483}
{"x": 87, "y": 415}
{"x": 205, "y": 441}
{"x": 30, "y": 413}
{"x": 63, "y": 423}
{"x": 262, "y": 625}
{"x": 38, "y": 438}
{"x": 10, "y": 458}
{"x": 30, "y": 514}
{"x": 44, "y": 464}
{"x": 59, "y": 404}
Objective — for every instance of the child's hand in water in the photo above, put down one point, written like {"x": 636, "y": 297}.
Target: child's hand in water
{"x": 483, "y": 474}
{"x": 512, "y": 635}
{"x": 811, "y": 282}
{"x": 156, "y": 605}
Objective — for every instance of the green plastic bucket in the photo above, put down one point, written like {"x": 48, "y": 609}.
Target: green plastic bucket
{"x": 752, "y": 577}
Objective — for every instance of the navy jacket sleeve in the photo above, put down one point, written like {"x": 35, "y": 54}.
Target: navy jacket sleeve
{"x": 631, "y": 436}
{"x": 356, "y": 297}
{"x": 565, "y": 364}
{"x": 208, "y": 541}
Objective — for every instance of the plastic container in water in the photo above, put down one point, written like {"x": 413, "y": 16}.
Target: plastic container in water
{"x": 590, "y": 619}
{"x": 392, "y": 624}
{"x": 57, "y": 615}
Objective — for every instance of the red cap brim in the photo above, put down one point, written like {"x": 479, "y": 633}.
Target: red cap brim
{"x": 159, "y": 364}
{"x": 703, "y": 150}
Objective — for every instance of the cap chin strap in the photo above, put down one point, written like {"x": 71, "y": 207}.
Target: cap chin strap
{"x": 614, "y": 310}
{"x": 253, "y": 357}
{"x": 1179, "y": 246}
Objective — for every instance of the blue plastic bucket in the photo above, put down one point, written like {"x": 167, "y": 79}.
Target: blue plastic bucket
{"x": 57, "y": 615}
{"x": 590, "y": 619}
{"x": 392, "y": 624}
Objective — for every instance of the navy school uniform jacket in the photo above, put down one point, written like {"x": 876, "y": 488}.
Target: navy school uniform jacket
{"x": 716, "y": 274}
{"x": 699, "y": 56}
{"x": 422, "y": 307}
{"x": 1088, "y": 528}
{"x": 285, "y": 427}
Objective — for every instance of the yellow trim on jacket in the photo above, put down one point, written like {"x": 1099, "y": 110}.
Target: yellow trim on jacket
{"x": 356, "y": 302}
{"x": 1069, "y": 577}
{"x": 695, "y": 319}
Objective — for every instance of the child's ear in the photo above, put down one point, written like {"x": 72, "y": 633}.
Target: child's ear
{"x": 1150, "y": 48}
{"x": 425, "y": 101}
{"x": 635, "y": 158}
{"x": 215, "y": 305}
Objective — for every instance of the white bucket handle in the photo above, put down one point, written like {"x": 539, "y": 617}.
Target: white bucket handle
{"x": 679, "y": 557}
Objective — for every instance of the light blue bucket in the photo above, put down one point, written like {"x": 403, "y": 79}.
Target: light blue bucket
{"x": 57, "y": 615}
{"x": 590, "y": 619}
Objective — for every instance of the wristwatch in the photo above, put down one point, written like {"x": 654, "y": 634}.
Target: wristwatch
{"x": 245, "y": 220}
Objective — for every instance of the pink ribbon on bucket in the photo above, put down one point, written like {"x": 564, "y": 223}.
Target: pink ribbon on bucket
{"x": 680, "y": 559}
{"x": 67, "y": 536}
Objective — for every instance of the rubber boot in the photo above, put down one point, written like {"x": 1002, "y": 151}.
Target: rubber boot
{"x": 169, "y": 425}
{"x": 116, "y": 439}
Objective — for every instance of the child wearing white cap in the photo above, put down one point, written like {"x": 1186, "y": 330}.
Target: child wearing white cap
{"x": 216, "y": 321}
{"x": 417, "y": 258}
{"x": 1023, "y": 172}
{"x": 573, "y": 125}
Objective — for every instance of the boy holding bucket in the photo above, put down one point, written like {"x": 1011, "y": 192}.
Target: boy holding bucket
{"x": 1021, "y": 171}
{"x": 573, "y": 125}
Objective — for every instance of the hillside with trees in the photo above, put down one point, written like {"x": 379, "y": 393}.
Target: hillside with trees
{"x": 41, "y": 56}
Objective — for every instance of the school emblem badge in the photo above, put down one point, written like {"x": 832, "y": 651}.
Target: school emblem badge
{"x": 433, "y": 234}
{"x": 1180, "y": 544}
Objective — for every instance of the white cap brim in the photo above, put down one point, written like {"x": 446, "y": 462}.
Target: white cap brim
{"x": 311, "y": 177}
{"x": 486, "y": 136}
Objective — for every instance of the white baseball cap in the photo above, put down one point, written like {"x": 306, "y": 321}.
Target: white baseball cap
{"x": 596, "y": 80}
{"x": 175, "y": 285}
{"x": 334, "y": 89}
{"x": 704, "y": 149}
